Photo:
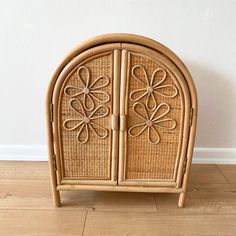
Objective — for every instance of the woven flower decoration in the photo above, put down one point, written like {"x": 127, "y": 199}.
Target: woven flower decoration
{"x": 149, "y": 88}
{"x": 89, "y": 91}
{"x": 151, "y": 123}
{"x": 85, "y": 123}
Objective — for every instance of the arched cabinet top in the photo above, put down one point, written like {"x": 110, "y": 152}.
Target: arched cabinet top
{"x": 132, "y": 39}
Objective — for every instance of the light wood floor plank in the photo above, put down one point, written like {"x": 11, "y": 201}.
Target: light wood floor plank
{"x": 25, "y": 194}
{"x": 26, "y": 206}
{"x": 28, "y": 170}
{"x": 229, "y": 171}
{"x": 35, "y": 194}
{"x": 37, "y": 222}
{"x": 206, "y": 174}
{"x": 202, "y": 198}
{"x": 110, "y": 201}
{"x": 39, "y": 170}
{"x": 158, "y": 224}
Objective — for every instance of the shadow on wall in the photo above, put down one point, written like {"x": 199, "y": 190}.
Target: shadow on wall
{"x": 217, "y": 107}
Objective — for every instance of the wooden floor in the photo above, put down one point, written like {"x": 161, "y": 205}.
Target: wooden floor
{"x": 26, "y": 206}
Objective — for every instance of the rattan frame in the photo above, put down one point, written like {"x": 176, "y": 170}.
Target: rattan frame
{"x": 80, "y": 51}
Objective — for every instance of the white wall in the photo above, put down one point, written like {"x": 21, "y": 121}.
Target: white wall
{"x": 35, "y": 35}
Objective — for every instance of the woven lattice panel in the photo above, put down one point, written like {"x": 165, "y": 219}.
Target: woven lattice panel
{"x": 154, "y": 120}
{"x": 85, "y": 108}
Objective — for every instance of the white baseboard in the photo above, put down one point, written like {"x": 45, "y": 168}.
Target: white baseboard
{"x": 39, "y": 153}
{"x": 214, "y": 155}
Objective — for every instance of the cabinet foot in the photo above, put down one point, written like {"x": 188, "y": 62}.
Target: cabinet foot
{"x": 182, "y": 197}
{"x": 56, "y": 198}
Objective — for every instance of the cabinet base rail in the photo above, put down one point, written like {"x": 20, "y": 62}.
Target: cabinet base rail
{"x": 117, "y": 188}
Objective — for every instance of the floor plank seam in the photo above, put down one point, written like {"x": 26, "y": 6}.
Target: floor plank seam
{"x": 155, "y": 200}
{"x": 70, "y": 210}
{"x": 85, "y": 219}
{"x": 39, "y": 209}
{"x": 25, "y": 180}
{"x": 163, "y": 212}
{"x": 222, "y": 174}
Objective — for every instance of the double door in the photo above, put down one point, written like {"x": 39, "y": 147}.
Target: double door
{"x": 121, "y": 116}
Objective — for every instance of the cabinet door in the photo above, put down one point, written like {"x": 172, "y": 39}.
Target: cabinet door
{"x": 85, "y": 102}
{"x": 154, "y": 119}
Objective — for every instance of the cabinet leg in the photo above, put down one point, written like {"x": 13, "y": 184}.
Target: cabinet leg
{"x": 56, "y": 197}
{"x": 182, "y": 197}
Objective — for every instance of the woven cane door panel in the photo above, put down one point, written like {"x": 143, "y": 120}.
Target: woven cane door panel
{"x": 84, "y": 108}
{"x": 154, "y": 117}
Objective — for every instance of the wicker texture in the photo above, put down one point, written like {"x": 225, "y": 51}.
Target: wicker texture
{"x": 85, "y": 154}
{"x": 146, "y": 159}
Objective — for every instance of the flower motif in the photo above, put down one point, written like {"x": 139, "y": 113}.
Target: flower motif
{"x": 149, "y": 88}
{"x": 89, "y": 91}
{"x": 151, "y": 122}
{"x": 85, "y": 122}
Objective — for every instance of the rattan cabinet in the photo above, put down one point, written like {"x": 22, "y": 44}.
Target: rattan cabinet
{"x": 121, "y": 116}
